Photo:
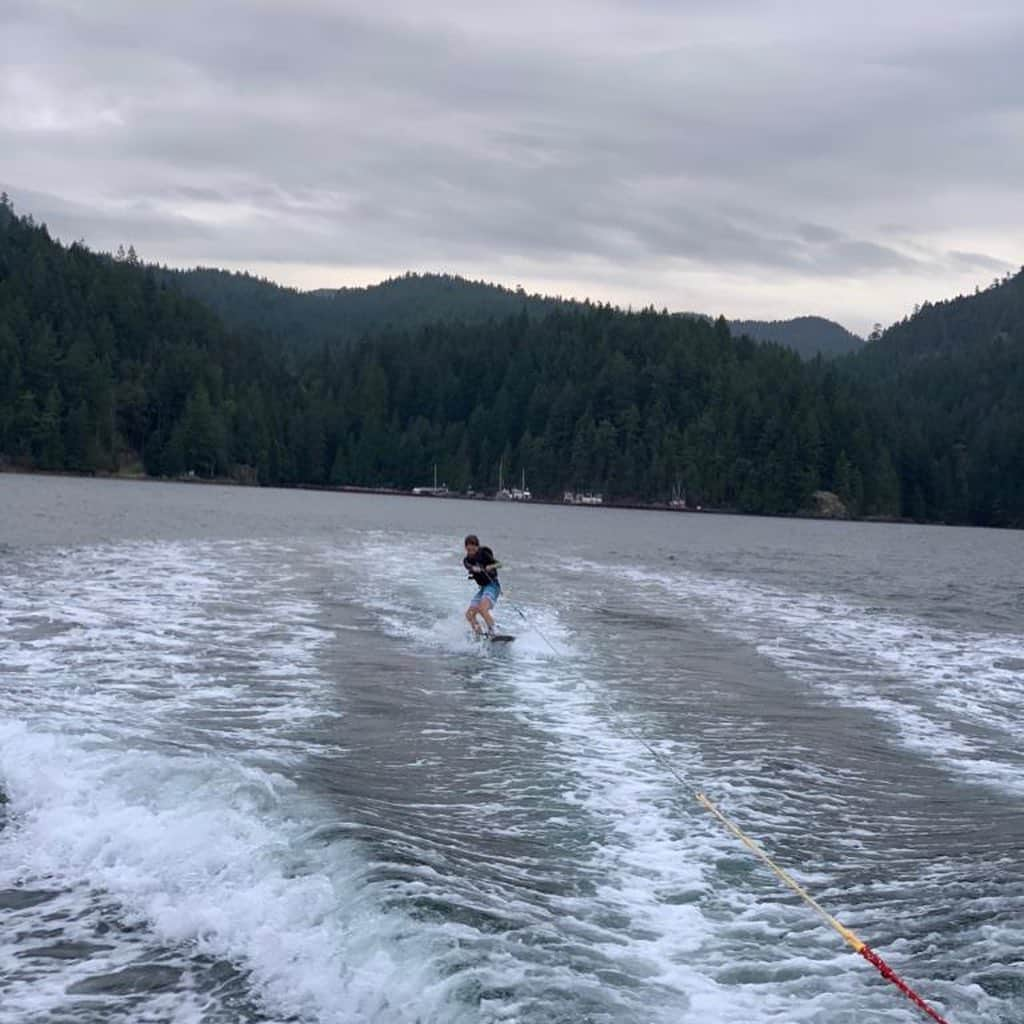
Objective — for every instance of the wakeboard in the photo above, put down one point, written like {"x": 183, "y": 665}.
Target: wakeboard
{"x": 495, "y": 638}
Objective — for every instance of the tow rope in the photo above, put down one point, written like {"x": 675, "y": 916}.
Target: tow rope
{"x": 848, "y": 935}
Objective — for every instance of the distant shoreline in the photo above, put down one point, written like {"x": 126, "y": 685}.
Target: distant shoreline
{"x": 396, "y": 492}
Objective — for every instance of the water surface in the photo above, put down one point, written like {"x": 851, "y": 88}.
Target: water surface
{"x": 256, "y": 770}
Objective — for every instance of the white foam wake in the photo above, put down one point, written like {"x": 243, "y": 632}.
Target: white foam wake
{"x": 657, "y": 907}
{"x": 153, "y": 699}
{"x": 953, "y": 696}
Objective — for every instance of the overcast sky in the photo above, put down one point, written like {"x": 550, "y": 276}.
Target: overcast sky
{"x": 757, "y": 159}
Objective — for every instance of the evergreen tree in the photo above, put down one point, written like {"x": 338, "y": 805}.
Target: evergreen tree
{"x": 200, "y": 435}
{"x": 50, "y": 444}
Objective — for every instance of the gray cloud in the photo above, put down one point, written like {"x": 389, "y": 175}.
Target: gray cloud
{"x": 976, "y": 261}
{"x": 691, "y": 144}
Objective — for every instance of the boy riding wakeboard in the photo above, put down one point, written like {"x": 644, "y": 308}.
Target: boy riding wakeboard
{"x": 482, "y": 567}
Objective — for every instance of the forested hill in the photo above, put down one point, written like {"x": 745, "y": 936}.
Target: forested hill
{"x": 808, "y": 335}
{"x": 953, "y": 377}
{"x": 307, "y": 320}
{"x": 957, "y": 327}
{"x": 105, "y": 360}
{"x": 338, "y": 317}
{"x": 105, "y": 363}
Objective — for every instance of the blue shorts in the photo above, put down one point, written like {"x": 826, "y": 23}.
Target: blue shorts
{"x": 492, "y": 590}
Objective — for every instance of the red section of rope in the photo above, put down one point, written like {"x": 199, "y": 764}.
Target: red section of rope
{"x": 890, "y": 975}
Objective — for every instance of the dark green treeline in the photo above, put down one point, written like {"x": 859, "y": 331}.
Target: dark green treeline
{"x": 103, "y": 362}
{"x": 948, "y": 385}
{"x": 634, "y": 405}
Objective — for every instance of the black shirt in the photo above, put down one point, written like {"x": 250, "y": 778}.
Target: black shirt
{"x": 475, "y": 566}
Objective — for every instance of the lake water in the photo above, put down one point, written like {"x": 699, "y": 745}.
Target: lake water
{"x": 255, "y": 770}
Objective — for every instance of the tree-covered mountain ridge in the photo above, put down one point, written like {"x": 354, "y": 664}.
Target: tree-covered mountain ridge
{"x": 306, "y": 320}
{"x": 810, "y": 336}
{"x": 953, "y": 326}
{"x": 104, "y": 361}
{"x": 342, "y": 316}
{"x": 952, "y": 379}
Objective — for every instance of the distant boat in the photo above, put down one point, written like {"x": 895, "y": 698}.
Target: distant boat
{"x": 521, "y": 493}
{"x": 582, "y": 498}
{"x": 432, "y": 492}
{"x": 503, "y": 493}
